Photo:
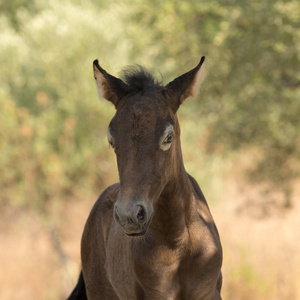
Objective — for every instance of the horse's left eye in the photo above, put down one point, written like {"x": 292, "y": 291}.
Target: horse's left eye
{"x": 110, "y": 139}
{"x": 168, "y": 139}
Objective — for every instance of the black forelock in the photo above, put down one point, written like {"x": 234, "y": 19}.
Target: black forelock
{"x": 139, "y": 80}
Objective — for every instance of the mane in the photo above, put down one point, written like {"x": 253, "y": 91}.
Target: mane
{"x": 139, "y": 79}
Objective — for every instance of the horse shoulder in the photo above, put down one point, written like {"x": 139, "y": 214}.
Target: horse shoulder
{"x": 93, "y": 244}
{"x": 101, "y": 215}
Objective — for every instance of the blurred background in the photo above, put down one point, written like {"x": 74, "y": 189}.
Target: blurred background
{"x": 240, "y": 137}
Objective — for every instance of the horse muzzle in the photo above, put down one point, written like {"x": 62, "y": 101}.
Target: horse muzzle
{"x": 134, "y": 217}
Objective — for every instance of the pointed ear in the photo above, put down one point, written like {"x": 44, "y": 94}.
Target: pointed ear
{"x": 109, "y": 87}
{"x": 186, "y": 85}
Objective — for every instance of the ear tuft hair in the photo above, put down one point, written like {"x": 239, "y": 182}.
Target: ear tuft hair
{"x": 138, "y": 79}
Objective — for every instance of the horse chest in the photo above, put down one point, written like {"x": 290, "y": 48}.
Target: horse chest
{"x": 153, "y": 269}
{"x": 167, "y": 274}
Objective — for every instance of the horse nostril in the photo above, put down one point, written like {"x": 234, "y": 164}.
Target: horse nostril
{"x": 141, "y": 214}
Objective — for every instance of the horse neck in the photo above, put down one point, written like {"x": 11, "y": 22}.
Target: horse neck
{"x": 174, "y": 207}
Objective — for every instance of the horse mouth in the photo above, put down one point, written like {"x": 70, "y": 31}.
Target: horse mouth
{"x": 143, "y": 231}
{"x": 137, "y": 234}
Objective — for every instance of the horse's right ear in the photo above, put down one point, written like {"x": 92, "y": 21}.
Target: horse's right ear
{"x": 109, "y": 87}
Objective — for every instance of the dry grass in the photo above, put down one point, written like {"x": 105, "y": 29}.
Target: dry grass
{"x": 261, "y": 255}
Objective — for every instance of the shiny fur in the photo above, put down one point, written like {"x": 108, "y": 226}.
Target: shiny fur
{"x": 178, "y": 254}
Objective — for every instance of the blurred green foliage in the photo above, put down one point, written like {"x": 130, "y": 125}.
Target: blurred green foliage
{"x": 53, "y": 129}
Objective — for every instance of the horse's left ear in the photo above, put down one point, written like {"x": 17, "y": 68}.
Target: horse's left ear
{"x": 186, "y": 85}
{"x": 109, "y": 87}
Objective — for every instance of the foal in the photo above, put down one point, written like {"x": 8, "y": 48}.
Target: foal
{"x": 150, "y": 236}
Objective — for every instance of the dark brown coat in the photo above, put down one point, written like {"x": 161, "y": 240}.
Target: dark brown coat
{"x": 151, "y": 236}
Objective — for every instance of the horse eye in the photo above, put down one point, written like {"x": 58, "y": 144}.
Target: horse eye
{"x": 168, "y": 139}
{"x": 111, "y": 141}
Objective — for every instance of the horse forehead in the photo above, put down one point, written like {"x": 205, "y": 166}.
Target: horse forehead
{"x": 142, "y": 114}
